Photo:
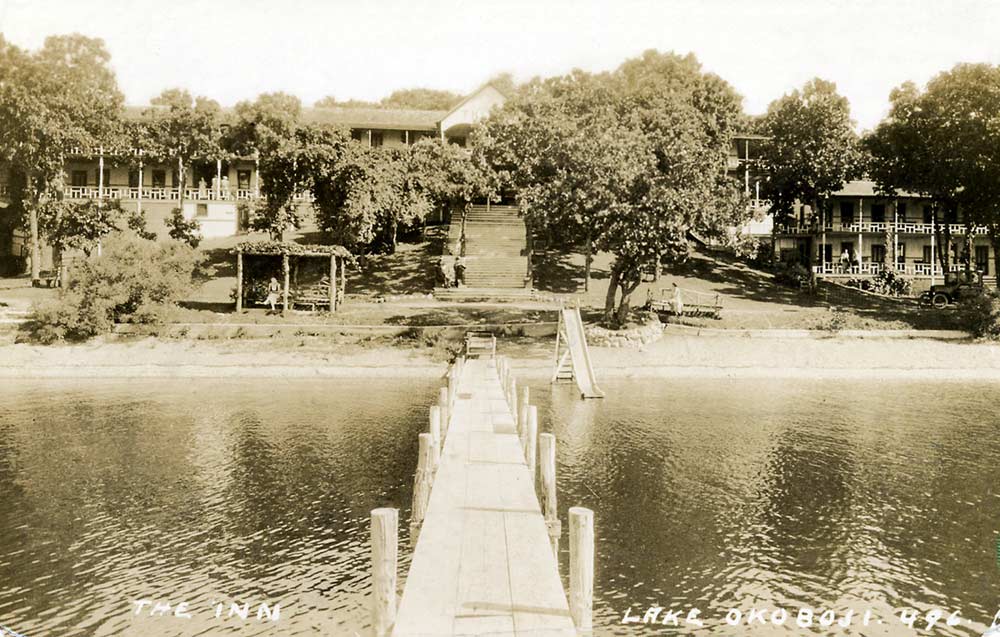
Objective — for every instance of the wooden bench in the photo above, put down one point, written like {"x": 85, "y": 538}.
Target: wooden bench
{"x": 696, "y": 303}
{"x": 50, "y": 278}
{"x": 477, "y": 343}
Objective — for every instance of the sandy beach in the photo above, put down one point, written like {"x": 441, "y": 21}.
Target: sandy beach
{"x": 675, "y": 355}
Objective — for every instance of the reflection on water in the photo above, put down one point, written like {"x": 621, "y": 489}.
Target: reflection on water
{"x": 202, "y": 492}
{"x": 762, "y": 494}
{"x": 707, "y": 494}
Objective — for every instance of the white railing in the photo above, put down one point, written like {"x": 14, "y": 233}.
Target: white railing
{"x": 909, "y": 269}
{"x": 169, "y": 194}
{"x": 879, "y": 227}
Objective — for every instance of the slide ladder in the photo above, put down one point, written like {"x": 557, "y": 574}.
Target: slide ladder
{"x": 574, "y": 362}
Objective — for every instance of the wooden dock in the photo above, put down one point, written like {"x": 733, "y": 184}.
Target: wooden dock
{"x": 484, "y": 561}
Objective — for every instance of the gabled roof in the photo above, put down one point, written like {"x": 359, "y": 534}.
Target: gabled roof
{"x": 471, "y": 95}
{"x": 868, "y": 188}
{"x": 377, "y": 118}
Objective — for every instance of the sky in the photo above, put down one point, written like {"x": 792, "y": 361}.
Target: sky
{"x": 232, "y": 50}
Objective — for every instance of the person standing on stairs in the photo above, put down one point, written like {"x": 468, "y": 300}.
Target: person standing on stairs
{"x": 459, "y": 271}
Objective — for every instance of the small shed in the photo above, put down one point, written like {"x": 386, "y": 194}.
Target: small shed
{"x": 293, "y": 253}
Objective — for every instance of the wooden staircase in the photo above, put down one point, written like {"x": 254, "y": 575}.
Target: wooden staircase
{"x": 496, "y": 254}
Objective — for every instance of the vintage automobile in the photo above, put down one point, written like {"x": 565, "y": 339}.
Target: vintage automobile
{"x": 956, "y": 286}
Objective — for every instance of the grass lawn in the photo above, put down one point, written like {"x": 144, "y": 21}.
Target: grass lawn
{"x": 396, "y": 290}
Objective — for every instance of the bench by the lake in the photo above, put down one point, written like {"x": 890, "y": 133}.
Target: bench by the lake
{"x": 485, "y": 556}
{"x": 678, "y": 302}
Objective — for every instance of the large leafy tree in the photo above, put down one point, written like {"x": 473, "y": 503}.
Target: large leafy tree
{"x": 183, "y": 128}
{"x": 59, "y": 99}
{"x": 810, "y": 150}
{"x": 944, "y": 143}
{"x": 633, "y": 161}
{"x": 287, "y": 151}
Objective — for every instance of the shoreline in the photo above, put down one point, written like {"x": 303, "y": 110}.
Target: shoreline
{"x": 673, "y": 356}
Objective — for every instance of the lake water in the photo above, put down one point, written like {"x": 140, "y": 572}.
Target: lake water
{"x": 707, "y": 494}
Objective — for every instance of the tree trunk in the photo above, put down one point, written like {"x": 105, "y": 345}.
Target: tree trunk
{"x": 942, "y": 255}
{"x": 529, "y": 244}
{"x": 180, "y": 182}
{"x": 609, "y": 299}
{"x": 588, "y": 259}
{"x": 36, "y": 248}
{"x": 625, "y": 305}
{"x": 968, "y": 247}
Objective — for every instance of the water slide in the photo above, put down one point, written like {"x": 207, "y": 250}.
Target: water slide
{"x": 576, "y": 343}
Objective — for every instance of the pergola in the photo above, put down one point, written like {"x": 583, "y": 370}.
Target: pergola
{"x": 287, "y": 251}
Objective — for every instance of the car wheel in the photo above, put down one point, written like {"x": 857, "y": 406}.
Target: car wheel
{"x": 940, "y": 301}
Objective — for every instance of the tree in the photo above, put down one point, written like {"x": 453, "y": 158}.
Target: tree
{"x": 182, "y": 129}
{"x": 944, "y": 143}
{"x": 427, "y": 99}
{"x": 634, "y": 160}
{"x": 57, "y": 99}
{"x": 331, "y": 102}
{"x": 810, "y": 150}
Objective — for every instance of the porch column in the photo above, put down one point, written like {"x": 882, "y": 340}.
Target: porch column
{"x": 218, "y": 178}
{"x": 239, "y": 280}
{"x": 369, "y": 138}
{"x": 933, "y": 257}
{"x": 256, "y": 174}
{"x": 100, "y": 173}
{"x": 138, "y": 201}
{"x": 861, "y": 218}
{"x": 406, "y": 137}
{"x": 284, "y": 270}
{"x": 333, "y": 283}
{"x": 746, "y": 166}
{"x": 895, "y": 236}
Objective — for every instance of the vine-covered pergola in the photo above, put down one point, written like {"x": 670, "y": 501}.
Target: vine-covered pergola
{"x": 288, "y": 251}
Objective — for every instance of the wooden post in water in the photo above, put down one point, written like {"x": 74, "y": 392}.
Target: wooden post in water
{"x": 522, "y": 412}
{"x": 435, "y": 431}
{"x": 581, "y": 567}
{"x": 445, "y": 410}
{"x": 422, "y": 485}
{"x": 547, "y": 460}
{"x": 385, "y": 548}
{"x": 529, "y": 441}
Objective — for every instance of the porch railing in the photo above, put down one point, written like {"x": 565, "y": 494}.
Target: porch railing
{"x": 878, "y": 227}
{"x": 169, "y": 194}
{"x": 870, "y": 269}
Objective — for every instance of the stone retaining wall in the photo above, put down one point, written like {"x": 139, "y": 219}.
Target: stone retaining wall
{"x": 634, "y": 337}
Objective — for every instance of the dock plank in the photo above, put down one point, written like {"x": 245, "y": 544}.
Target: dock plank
{"x": 483, "y": 563}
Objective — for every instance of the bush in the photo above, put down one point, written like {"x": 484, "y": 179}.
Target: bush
{"x": 886, "y": 282}
{"x": 183, "y": 230}
{"x": 980, "y": 315}
{"x": 792, "y": 274}
{"x": 135, "y": 281}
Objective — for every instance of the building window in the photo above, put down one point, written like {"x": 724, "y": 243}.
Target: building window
{"x": 928, "y": 216}
{"x": 376, "y": 138}
{"x": 159, "y": 179}
{"x": 983, "y": 259}
{"x": 901, "y": 212}
{"x": 927, "y": 254}
{"x": 900, "y": 253}
{"x": 846, "y": 212}
{"x": 175, "y": 179}
{"x": 202, "y": 210}
{"x": 78, "y": 178}
{"x": 878, "y": 254}
{"x": 357, "y": 134}
{"x": 878, "y": 213}
{"x": 243, "y": 179}
{"x": 133, "y": 179}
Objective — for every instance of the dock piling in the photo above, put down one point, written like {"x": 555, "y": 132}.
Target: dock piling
{"x": 531, "y": 441}
{"x": 547, "y": 462}
{"x": 422, "y": 485}
{"x": 445, "y": 409}
{"x": 581, "y": 567}
{"x": 385, "y": 549}
{"x": 435, "y": 431}
{"x": 522, "y": 411}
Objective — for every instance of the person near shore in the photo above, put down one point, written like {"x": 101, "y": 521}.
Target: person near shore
{"x": 272, "y": 295}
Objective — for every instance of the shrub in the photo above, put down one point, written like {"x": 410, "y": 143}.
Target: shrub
{"x": 135, "y": 281}
{"x": 891, "y": 283}
{"x": 980, "y": 314}
{"x": 183, "y": 230}
{"x": 792, "y": 274}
